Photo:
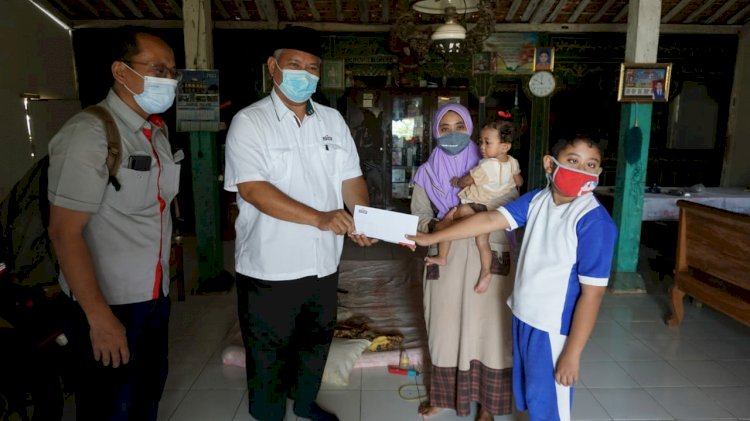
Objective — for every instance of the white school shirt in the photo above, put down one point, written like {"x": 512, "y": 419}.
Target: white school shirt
{"x": 308, "y": 163}
{"x": 563, "y": 247}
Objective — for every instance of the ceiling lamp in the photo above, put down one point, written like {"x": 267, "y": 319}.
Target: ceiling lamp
{"x": 438, "y": 7}
{"x": 451, "y": 37}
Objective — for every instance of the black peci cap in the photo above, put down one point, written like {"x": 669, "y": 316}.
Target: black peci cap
{"x": 300, "y": 38}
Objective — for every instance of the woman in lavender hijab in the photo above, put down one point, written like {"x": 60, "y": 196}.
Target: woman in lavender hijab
{"x": 468, "y": 333}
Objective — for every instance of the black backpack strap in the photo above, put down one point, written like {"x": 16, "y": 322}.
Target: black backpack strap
{"x": 114, "y": 147}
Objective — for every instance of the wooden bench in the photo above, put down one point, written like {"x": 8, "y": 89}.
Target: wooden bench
{"x": 713, "y": 261}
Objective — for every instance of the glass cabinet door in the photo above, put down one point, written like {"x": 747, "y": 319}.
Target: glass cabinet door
{"x": 407, "y": 143}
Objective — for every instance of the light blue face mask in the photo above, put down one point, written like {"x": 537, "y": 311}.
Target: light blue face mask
{"x": 454, "y": 142}
{"x": 298, "y": 85}
{"x": 158, "y": 93}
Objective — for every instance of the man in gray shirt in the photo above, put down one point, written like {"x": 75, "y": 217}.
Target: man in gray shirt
{"x": 112, "y": 239}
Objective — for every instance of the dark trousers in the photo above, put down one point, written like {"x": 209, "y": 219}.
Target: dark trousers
{"x": 287, "y": 328}
{"x": 131, "y": 391}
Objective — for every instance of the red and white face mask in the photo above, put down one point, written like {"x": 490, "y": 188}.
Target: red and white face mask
{"x": 572, "y": 182}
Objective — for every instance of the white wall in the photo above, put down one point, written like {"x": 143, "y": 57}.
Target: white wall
{"x": 736, "y": 171}
{"x": 37, "y": 56}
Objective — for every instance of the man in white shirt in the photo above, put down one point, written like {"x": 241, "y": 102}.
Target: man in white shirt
{"x": 293, "y": 164}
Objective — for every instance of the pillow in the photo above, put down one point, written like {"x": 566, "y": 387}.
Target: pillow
{"x": 341, "y": 358}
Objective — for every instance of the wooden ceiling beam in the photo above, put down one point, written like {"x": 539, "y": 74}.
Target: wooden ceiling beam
{"x": 555, "y": 13}
{"x": 576, "y": 13}
{"x": 530, "y": 8}
{"x": 289, "y": 10}
{"x": 153, "y": 9}
{"x": 91, "y": 8}
{"x": 374, "y": 28}
{"x": 314, "y": 10}
{"x": 339, "y": 9}
{"x": 134, "y": 10}
{"x": 513, "y": 10}
{"x": 114, "y": 9}
{"x": 675, "y": 10}
{"x": 240, "y": 4}
{"x": 597, "y": 17}
{"x": 175, "y": 8}
{"x": 621, "y": 14}
{"x": 723, "y": 9}
{"x": 261, "y": 12}
{"x": 64, "y": 7}
{"x": 222, "y": 10}
{"x": 698, "y": 11}
{"x": 268, "y": 9}
{"x": 739, "y": 15}
{"x": 364, "y": 11}
{"x": 542, "y": 11}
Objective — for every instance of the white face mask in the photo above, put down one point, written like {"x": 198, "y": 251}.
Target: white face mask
{"x": 158, "y": 93}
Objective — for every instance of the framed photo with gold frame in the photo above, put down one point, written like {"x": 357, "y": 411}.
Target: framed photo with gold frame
{"x": 644, "y": 82}
{"x": 332, "y": 74}
{"x": 544, "y": 59}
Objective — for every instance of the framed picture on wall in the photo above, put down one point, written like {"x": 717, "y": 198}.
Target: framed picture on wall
{"x": 482, "y": 63}
{"x": 644, "y": 82}
{"x": 544, "y": 59}
{"x": 332, "y": 74}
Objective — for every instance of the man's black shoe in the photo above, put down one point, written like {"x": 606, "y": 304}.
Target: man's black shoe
{"x": 314, "y": 413}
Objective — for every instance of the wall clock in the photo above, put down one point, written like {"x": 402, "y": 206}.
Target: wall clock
{"x": 542, "y": 84}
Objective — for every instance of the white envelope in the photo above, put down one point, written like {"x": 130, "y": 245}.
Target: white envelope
{"x": 385, "y": 225}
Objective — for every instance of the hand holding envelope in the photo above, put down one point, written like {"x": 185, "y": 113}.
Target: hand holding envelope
{"x": 385, "y": 225}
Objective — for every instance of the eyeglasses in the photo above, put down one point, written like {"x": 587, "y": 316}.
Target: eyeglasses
{"x": 158, "y": 70}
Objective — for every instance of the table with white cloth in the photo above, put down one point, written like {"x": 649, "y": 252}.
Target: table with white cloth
{"x": 663, "y": 206}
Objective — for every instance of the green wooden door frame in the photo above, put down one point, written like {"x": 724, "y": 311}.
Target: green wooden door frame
{"x": 206, "y": 187}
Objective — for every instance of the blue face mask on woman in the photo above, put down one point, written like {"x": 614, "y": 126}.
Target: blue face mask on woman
{"x": 454, "y": 142}
{"x": 298, "y": 85}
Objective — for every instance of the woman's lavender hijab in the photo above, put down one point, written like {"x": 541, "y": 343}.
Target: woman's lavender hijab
{"x": 434, "y": 176}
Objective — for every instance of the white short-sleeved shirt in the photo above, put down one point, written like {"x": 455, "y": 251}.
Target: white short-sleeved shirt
{"x": 493, "y": 179}
{"x": 563, "y": 246}
{"x": 127, "y": 229}
{"x": 308, "y": 163}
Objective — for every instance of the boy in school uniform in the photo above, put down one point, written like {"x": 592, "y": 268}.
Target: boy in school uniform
{"x": 563, "y": 271}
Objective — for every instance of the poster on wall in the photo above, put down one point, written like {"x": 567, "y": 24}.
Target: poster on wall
{"x": 514, "y": 52}
{"x": 198, "y": 101}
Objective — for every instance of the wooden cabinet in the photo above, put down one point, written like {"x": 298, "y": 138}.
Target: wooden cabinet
{"x": 393, "y": 133}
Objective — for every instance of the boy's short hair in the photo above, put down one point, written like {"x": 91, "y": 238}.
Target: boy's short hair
{"x": 563, "y": 143}
{"x": 504, "y": 130}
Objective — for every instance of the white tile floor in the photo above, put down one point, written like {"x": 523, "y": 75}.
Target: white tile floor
{"x": 634, "y": 368}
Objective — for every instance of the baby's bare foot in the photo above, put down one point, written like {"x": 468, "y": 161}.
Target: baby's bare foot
{"x": 436, "y": 260}
{"x": 484, "y": 282}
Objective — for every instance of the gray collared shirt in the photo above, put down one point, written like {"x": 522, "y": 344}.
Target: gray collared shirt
{"x": 126, "y": 230}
